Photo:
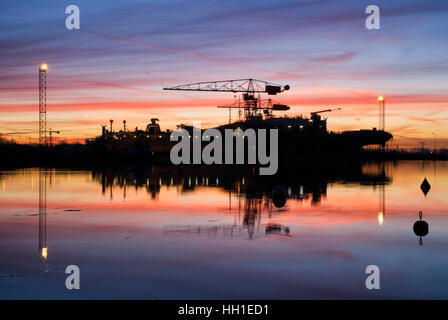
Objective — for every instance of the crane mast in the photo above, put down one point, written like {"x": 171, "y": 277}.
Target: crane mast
{"x": 43, "y": 104}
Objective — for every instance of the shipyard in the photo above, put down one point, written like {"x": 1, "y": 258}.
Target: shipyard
{"x": 298, "y": 136}
{"x": 199, "y": 154}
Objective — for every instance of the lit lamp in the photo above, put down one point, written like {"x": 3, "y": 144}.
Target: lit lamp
{"x": 380, "y": 98}
{"x": 44, "y": 252}
{"x": 44, "y": 67}
{"x": 380, "y": 218}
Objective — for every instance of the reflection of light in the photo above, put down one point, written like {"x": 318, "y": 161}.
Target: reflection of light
{"x": 380, "y": 218}
{"x": 44, "y": 253}
{"x": 380, "y": 98}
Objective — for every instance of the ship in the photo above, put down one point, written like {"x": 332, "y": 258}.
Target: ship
{"x": 137, "y": 145}
{"x": 297, "y": 135}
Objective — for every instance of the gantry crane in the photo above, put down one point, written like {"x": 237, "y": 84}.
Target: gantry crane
{"x": 253, "y": 106}
{"x": 265, "y": 104}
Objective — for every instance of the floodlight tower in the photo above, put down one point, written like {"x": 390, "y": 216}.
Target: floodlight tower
{"x": 43, "y": 104}
{"x": 382, "y": 103}
{"x": 42, "y": 172}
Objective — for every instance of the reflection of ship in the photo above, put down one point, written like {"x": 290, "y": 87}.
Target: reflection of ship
{"x": 255, "y": 194}
{"x": 274, "y": 228}
{"x": 305, "y": 180}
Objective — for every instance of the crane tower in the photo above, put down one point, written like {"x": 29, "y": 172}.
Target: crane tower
{"x": 43, "y": 104}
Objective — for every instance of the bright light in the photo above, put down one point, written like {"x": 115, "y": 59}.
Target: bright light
{"x": 44, "y": 253}
{"x": 380, "y": 98}
{"x": 44, "y": 67}
{"x": 380, "y": 218}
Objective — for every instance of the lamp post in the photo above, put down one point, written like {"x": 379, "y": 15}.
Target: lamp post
{"x": 382, "y": 103}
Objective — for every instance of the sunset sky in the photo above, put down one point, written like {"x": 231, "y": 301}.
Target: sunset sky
{"x": 115, "y": 66}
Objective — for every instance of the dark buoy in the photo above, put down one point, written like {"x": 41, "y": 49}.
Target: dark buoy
{"x": 421, "y": 228}
{"x": 425, "y": 187}
{"x": 279, "y": 196}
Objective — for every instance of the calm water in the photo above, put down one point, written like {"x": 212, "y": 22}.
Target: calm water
{"x": 163, "y": 233}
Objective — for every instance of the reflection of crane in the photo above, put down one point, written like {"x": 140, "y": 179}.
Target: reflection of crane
{"x": 423, "y": 146}
{"x": 382, "y": 196}
{"x": 382, "y": 204}
{"x": 253, "y": 106}
{"x": 43, "y": 250}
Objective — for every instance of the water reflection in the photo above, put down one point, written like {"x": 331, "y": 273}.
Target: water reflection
{"x": 421, "y": 228}
{"x": 290, "y": 184}
{"x": 256, "y": 194}
{"x": 171, "y": 231}
{"x": 43, "y": 249}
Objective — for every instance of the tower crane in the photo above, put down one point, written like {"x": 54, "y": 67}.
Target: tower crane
{"x": 254, "y": 107}
{"x": 51, "y": 132}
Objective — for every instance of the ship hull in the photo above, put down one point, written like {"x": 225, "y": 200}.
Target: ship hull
{"x": 297, "y": 136}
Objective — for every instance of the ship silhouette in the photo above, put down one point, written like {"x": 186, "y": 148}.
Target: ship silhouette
{"x": 297, "y": 135}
